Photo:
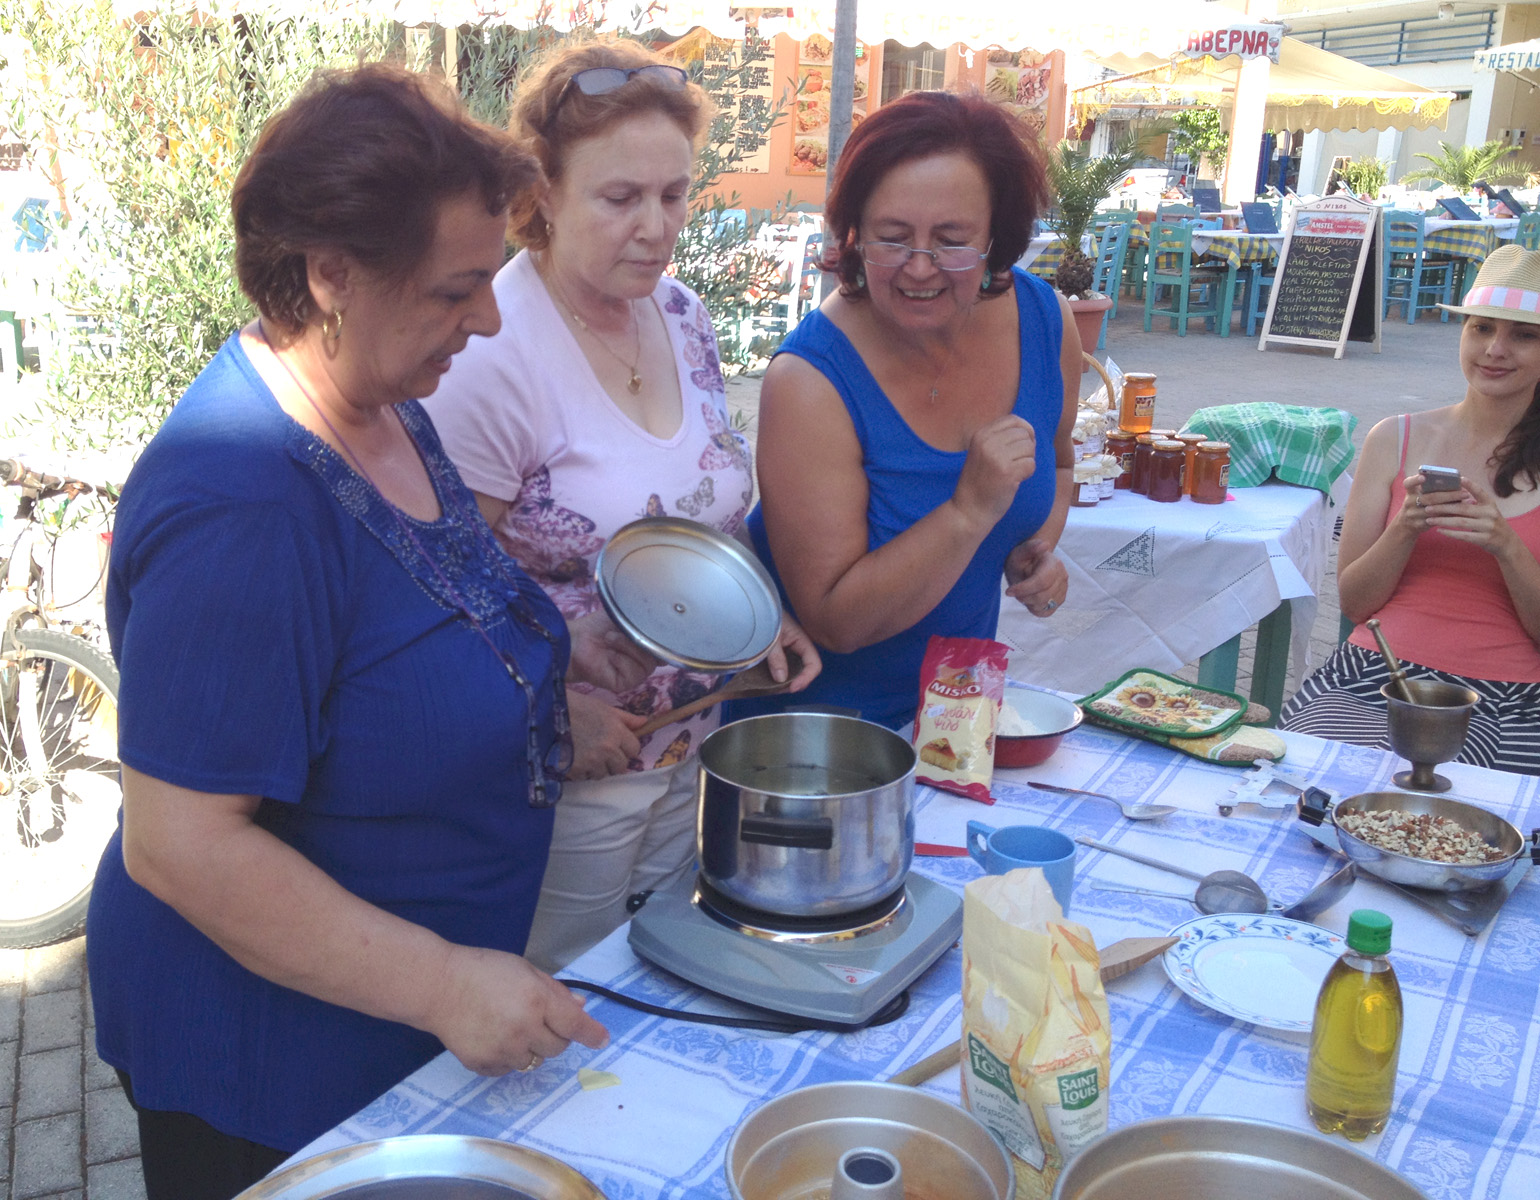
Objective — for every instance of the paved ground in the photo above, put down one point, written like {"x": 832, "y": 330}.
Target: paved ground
{"x": 65, "y": 1129}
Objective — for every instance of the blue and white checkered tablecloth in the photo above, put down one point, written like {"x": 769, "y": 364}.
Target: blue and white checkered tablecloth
{"x": 1467, "y": 1096}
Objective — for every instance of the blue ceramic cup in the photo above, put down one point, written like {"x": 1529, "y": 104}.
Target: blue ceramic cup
{"x": 1017, "y": 846}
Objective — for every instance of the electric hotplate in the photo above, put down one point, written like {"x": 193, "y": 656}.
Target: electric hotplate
{"x": 845, "y": 975}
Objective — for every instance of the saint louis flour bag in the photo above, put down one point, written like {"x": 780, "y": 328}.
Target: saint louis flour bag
{"x": 1037, "y": 1039}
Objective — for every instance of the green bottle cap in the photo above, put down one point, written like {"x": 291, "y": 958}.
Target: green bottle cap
{"x": 1368, "y": 932}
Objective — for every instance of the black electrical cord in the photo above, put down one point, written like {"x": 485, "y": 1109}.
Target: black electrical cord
{"x": 772, "y": 1022}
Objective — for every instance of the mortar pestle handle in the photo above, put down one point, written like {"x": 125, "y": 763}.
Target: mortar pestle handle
{"x": 1397, "y": 671}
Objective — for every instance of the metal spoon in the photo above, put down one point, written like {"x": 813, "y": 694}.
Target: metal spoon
{"x": 1317, "y": 900}
{"x": 1323, "y": 895}
{"x": 1218, "y": 891}
{"x": 1133, "y": 811}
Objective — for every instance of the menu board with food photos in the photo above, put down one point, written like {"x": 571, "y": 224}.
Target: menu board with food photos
{"x": 810, "y": 121}
{"x": 1022, "y": 80}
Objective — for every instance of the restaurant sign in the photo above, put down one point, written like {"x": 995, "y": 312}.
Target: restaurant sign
{"x": 1520, "y": 56}
{"x": 1247, "y": 40}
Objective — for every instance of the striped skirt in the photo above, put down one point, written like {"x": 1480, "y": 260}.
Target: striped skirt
{"x": 1342, "y": 701}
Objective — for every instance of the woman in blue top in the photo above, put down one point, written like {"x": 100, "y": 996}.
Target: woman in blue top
{"x": 341, "y": 718}
{"x": 914, "y": 432}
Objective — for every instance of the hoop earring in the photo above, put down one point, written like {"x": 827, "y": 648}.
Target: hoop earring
{"x": 331, "y": 327}
{"x": 987, "y": 280}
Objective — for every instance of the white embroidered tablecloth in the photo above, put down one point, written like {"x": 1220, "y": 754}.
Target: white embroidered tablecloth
{"x": 1160, "y": 585}
{"x": 1464, "y": 1122}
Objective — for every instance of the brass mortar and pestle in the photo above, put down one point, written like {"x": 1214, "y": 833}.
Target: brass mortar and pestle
{"x": 1428, "y": 721}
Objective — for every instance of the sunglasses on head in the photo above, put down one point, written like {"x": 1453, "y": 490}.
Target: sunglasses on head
{"x": 599, "y": 81}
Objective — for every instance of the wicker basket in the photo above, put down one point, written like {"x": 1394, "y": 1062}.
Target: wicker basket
{"x": 1112, "y": 397}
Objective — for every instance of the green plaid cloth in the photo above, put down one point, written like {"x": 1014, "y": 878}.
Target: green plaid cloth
{"x": 1305, "y": 446}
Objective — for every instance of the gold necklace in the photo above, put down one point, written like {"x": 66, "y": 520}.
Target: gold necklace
{"x": 634, "y": 384}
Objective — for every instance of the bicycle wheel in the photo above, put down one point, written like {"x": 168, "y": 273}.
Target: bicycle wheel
{"x": 59, "y": 785}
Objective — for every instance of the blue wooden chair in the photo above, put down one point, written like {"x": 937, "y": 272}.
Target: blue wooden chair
{"x": 1111, "y": 248}
{"x": 1412, "y": 278}
{"x": 1528, "y": 235}
{"x": 1171, "y": 266}
{"x": 1114, "y": 284}
{"x": 1259, "y": 283}
{"x": 1114, "y": 287}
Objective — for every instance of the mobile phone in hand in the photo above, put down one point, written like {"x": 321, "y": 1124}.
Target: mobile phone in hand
{"x": 1439, "y": 479}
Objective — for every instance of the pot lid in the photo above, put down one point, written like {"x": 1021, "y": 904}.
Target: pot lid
{"x": 690, "y": 594}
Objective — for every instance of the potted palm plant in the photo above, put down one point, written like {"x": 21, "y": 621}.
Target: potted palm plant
{"x": 1080, "y": 183}
{"x": 1460, "y": 166}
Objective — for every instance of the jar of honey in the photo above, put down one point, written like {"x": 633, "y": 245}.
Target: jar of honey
{"x": 1211, "y": 472}
{"x": 1143, "y": 448}
{"x": 1120, "y": 444}
{"x": 1137, "y": 411}
{"x": 1190, "y": 441}
{"x": 1168, "y": 461}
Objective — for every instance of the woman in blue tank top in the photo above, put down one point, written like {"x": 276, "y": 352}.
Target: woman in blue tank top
{"x": 915, "y": 431}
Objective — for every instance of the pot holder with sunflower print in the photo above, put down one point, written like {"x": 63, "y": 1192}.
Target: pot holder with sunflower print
{"x": 1148, "y": 703}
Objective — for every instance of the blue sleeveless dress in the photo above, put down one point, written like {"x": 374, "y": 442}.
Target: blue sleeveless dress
{"x": 909, "y": 478}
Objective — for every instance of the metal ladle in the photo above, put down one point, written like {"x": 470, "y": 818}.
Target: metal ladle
{"x": 1218, "y": 891}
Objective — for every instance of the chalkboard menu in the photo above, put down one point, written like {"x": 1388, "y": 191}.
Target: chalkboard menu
{"x": 1322, "y": 294}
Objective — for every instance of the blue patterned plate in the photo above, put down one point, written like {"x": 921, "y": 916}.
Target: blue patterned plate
{"x": 1263, "y": 969}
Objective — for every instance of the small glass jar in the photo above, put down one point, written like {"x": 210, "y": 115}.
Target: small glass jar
{"x": 1190, "y": 441}
{"x": 1168, "y": 461}
{"x": 1120, "y": 445}
{"x": 1211, "y": 473}
{"x": 1087, "y": 487}
{"x": 1137, "y": 411}
{"x": 1111, "y": 470}
{"x": 1143, "y": 448}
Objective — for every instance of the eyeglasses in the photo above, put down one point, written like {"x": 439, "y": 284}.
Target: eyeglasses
{"x": 600, "y": 81}
{"x": 946, "y": 258}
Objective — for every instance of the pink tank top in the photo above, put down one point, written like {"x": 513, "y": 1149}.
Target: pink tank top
{"x": 1451, "y": 610}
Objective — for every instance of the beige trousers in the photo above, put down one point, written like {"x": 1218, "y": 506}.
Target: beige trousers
{"x": 613, "y": 837}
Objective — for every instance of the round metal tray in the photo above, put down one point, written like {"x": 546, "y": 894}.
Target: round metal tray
{"x": 790, "y": 1147}
{"x": 1184, "y": 1157}
{"x": 427, "y": 1167}
{"x": 689, "y": 594}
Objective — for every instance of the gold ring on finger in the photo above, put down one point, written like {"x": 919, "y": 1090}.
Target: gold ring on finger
{"x": 534, "y": 1061}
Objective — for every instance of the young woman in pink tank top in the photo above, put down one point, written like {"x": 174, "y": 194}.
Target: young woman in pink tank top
{"x": 1452, "y": 575}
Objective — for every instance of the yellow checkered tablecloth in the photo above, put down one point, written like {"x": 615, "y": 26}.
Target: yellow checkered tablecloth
{"x": 1046, "y": 264}
{"x": 1233, "y": 248}
{"x": 1474, "y": 242}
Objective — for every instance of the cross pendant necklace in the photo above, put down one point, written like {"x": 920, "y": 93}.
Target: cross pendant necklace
{"x": 634, "y": 384}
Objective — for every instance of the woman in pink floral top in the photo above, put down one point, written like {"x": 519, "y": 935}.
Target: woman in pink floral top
{"x": 600, "y": 401}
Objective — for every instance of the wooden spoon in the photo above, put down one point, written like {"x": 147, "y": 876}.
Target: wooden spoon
{"x": 753, "y": 681}
{"x": 1117, "y": 959}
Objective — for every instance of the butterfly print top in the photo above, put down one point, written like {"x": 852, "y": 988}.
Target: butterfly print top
{"x": 525, "y": 419}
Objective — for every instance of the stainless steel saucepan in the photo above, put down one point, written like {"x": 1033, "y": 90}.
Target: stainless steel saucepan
{"x": 806, "y": 814}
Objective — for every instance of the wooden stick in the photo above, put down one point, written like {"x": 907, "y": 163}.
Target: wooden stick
{"x": 1117, "y": 960}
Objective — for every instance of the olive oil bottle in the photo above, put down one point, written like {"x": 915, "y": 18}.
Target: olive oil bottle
{"x": 1356, "y": 1038}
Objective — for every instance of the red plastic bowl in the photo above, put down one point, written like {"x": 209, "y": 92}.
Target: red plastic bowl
{"x": 1054, "y": 715}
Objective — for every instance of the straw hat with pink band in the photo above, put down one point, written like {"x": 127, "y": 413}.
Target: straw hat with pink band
{"x": 1507, "y": 287}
